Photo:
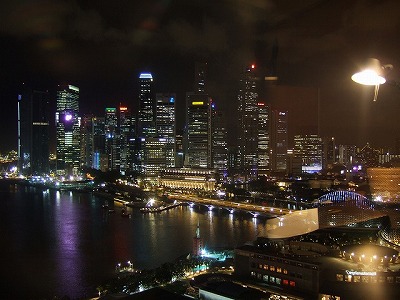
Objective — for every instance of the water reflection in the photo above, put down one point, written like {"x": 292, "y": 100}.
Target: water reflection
{"x": 76, "y": 243}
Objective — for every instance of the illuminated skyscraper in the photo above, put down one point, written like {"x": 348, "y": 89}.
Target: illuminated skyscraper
{"x": 147, "y": 106}
{"x": 263, "y": 151}
{"x": 219, "y": 145}
{"x": 200, "y": 77}
{"x": 198, "y": 131}
{"x": 279, "y": 141}
{"x": 330, "y": 152}
{"x": 165, "y": 124}
{"x": 100, "y": 160}
{"x": 68, "y": 130}
{"x": 87, "y": 141}
{"x": 248, "y": 122}
{"x": 309, "y": 149}
{"x": 126, "y": 126}
{"x": 111, "y": 135}
{"x": 33, "y": 132}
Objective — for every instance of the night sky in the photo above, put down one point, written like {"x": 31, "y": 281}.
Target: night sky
{"x": 102, "y": 46}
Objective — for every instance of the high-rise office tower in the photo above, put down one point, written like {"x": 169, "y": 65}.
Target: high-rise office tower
{"x": 126, "y": 138}
{"x": 279, "y": 141}
{"x": 200, "y": 77}
{"x": 165, "y": 124}
{"x": 198, "y": 130}
{"x": 179, "y": 149}
{"x": 147, "y": 106}
{"x": 219, "y": 142}
{"x": 154, "y": 155}
{"x": 87, "y": 141}
{"x": 100, "y": 159}
{"x": 248, "y": 122}
{"x": 330, "y": 152}
{"x": 111, "y": 138}
{"x": 33, "y": 132}
{"x": 309, "y": 149}
{"x": 263, "y": 151}
{"x": 68, "y": 130}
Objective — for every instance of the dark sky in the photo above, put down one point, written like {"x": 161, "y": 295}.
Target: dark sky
{"x": 102, "y": 46}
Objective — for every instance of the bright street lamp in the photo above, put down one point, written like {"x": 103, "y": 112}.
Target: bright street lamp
{"x": 372, "y": 74}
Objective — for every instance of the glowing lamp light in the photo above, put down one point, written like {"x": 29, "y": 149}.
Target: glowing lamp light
{"x": 372, "y": 74}
{"x": 68, "y": 117}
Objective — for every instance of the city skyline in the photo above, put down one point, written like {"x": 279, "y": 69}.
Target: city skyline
{"x": 317, "y": 44}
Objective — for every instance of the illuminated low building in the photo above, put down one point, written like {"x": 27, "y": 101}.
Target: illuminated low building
{"x": 188, "y": 178}
{"x": 307, "y": 271}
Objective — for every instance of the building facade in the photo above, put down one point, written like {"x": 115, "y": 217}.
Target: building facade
{"x": 198, "y": 130}
{"x": 248, "y": 122}
{"x": 68, "y": 130}
{"x": 33, "y": 132}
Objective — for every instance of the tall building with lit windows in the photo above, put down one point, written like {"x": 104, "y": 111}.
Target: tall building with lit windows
{"x": 263, "y": 148}
{"x": 126, "y": 138}
{"x": 219, "y": 144}
{"x": 279, "y": 141}
{"x": 87, "y": 140}
{"x": 200, "y": 77}
{"x": 165, "y": 124}
{"x": 68, "y": 130}
{"x": 248, "y": 122}
{"x": 33, "y": 132}
{"x": 309, "y": 149}
{"x": 99, "y": 157}
{"x": 147, "y": 106}
{"x": 198, "y": 130}
{"x": 111, "y": 138}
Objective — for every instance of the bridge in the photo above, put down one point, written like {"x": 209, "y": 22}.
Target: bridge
{"x": 251, "y": 208}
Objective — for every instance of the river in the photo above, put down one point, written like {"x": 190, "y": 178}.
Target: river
{"x": 65, "y": 244}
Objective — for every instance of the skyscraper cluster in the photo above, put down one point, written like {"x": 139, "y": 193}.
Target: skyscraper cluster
{"x": 271, "y": 135}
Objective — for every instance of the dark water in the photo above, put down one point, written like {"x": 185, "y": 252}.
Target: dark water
{"x": 65, "y": 244}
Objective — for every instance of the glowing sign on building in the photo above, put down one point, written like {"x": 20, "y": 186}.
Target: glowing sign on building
{"x": 197, "y": 103}
{"x": 360, "y": 273}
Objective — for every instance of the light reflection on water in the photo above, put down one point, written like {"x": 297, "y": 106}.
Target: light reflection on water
{"x": 63, "y": 243}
